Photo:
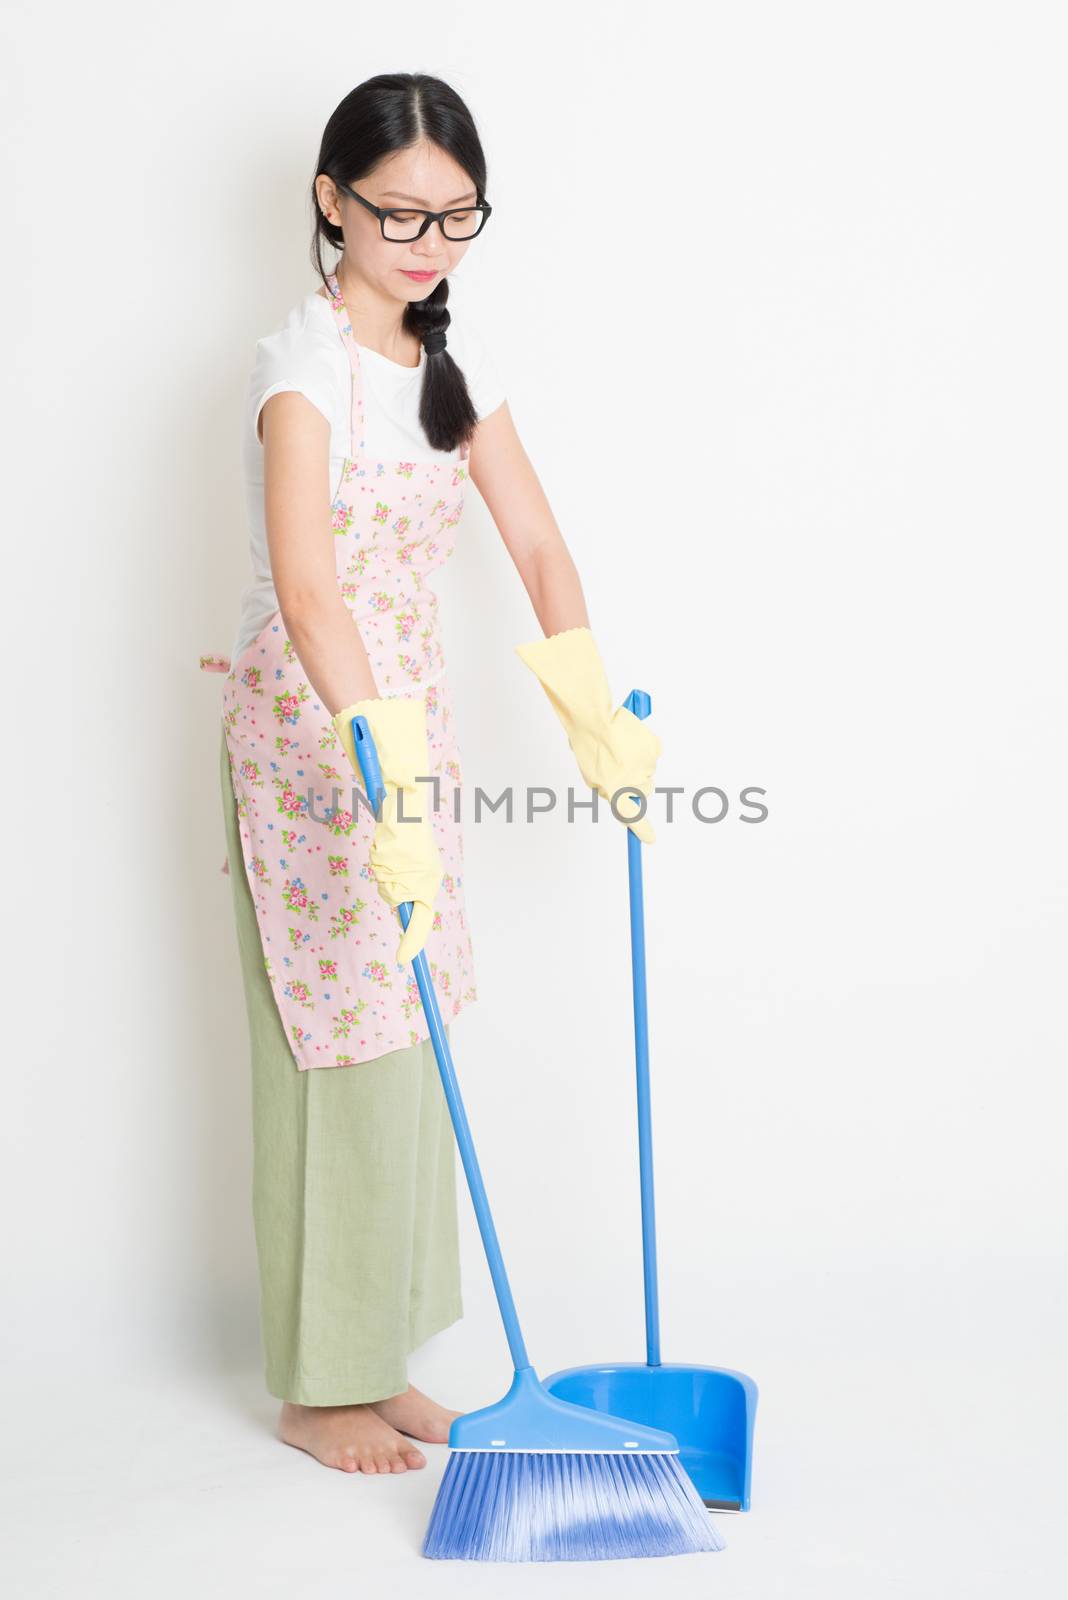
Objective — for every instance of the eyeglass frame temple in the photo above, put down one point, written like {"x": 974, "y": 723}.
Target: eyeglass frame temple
{"x": 382, "y": 212}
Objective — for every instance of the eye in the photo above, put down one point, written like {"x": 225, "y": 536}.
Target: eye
{"x": 405, "y": 216}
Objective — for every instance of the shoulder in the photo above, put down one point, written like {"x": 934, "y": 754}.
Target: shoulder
{"x": 466, "y": 334}
{"x": 308, "y": 334}
{"x": 474, "y": 354}
{"x": 305, "y": 354}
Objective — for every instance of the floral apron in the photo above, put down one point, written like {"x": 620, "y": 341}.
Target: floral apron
{"x": 329, "y": 939}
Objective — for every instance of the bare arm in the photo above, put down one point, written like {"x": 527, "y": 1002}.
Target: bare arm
{"x": 505, "y": 478}
{"x": 296, "y": 468}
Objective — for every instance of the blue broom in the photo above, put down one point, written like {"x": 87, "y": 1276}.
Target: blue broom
{"x": 534, "y": 1478}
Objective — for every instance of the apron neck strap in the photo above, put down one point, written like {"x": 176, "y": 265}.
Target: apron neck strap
{"x": 344, "y": 322}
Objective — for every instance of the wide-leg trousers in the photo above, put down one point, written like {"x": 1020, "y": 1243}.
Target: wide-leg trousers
{"x": 353, "y": 1196}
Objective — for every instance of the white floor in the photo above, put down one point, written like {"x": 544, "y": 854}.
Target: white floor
{"x": 873, "y": 1477}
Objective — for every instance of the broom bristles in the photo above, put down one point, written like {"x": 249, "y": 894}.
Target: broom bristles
{"x": 534, "y": 1505}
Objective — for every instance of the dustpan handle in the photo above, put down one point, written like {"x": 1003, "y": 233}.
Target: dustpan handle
{"x": 640, "y": 704}
{"x": 374, "y": 788}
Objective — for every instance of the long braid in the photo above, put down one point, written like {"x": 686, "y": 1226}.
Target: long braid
{"x": 446, "y": 410}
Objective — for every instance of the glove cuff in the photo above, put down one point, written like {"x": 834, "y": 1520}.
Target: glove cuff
{"x": 569, "y": 668}
{"x": 398, "y": 728}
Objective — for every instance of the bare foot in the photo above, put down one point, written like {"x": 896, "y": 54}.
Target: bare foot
{"x": 415, "y": 1413}
{"x": 354, "y": 1438}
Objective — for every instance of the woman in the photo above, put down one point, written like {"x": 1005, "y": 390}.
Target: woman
{"x": 368, "y": 413}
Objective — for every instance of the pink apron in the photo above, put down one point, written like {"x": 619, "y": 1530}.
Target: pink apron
{"x": 329, "y": 940}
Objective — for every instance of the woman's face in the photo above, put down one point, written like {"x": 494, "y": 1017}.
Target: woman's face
{"x": 424, "y": 177}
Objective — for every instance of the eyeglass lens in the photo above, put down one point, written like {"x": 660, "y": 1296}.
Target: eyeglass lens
{"x": 401, "y": 225}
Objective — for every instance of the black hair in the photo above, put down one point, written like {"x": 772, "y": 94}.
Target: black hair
{"x": 381, "y": 116}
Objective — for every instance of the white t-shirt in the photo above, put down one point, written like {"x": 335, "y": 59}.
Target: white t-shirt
{"x": 308, "y": 355}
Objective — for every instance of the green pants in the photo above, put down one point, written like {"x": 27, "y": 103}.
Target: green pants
{"x": 353, "y": 1197}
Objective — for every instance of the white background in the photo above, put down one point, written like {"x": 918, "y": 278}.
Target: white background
{"x": 778, "y": 295}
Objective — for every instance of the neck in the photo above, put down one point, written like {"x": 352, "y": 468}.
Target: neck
{"x": 375, "y": 317}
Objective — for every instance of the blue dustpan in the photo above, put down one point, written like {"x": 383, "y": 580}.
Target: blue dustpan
{"x": 710, "y": 1410}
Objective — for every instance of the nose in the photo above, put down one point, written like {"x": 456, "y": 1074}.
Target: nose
{"x": 427, "y": 240}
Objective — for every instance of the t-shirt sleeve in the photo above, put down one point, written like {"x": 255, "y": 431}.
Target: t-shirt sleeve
{"x": 298, "y": 357}
{"x": 485, "y": 384}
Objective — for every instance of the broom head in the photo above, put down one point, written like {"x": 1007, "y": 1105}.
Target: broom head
{"x": 534, "y": 1478}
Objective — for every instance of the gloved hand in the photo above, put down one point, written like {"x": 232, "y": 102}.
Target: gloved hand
{"x": 614, "y": 748}
{"x": 404, "y": 856}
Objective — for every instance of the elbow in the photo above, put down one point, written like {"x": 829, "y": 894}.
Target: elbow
{"x": 306, "y": 608}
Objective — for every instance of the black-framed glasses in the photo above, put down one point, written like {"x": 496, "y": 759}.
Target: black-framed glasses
{"x": 406, "y": 224}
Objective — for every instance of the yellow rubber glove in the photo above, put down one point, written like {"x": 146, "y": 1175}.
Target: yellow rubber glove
{"x": 404, "y": 856}
{"x": 614, "y": 748}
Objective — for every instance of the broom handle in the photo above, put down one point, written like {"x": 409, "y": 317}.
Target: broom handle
{"x": 374, "y": 787}
{"x": 640, "y": 704}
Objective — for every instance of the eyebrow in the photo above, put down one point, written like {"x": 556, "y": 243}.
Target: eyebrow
{"x": 396, "y": 195}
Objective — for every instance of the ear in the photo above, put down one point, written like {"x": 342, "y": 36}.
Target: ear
{"x": 326, "y": 194}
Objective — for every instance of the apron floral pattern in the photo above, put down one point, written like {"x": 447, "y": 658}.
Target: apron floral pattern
{"x": 329, "y": 940}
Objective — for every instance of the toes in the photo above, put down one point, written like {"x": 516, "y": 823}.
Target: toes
{"x": 380, "y": 1458}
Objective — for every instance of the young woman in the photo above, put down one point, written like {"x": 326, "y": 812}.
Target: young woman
{"x": 368, "y": 412}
